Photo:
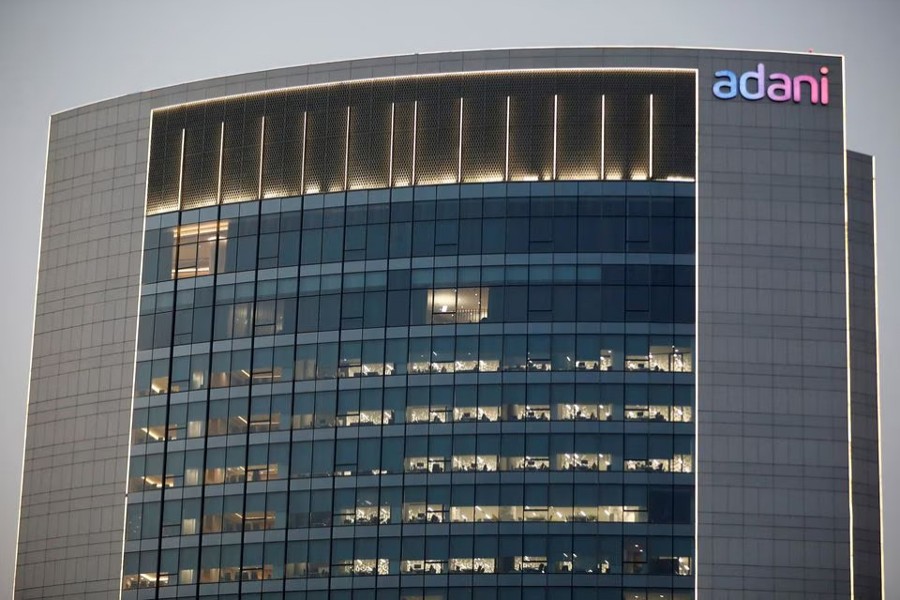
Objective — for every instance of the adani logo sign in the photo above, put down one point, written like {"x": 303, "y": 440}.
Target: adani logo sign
{"x": 777, "y": 87}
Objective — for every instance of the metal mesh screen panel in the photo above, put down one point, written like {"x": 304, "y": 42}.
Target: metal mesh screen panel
{"x": 424, "y": 141}
{"x": 628, "y": 127}
{"x": 240, "y": 158}
{"x": 579, "y": 127}
{"x": 437, "y": 131}
{"x": 201, "y": 156}
{"x": 295, "y": 105}
{"x": 275, "y": 165}
{"x": 370, "y": 136}
{"x": 531, "y": 128}
{"x": 484, "y": 129}
{"x": 165, "y": 161}
{"x": 402, "y": 147}
{"x": 674, "y": 129}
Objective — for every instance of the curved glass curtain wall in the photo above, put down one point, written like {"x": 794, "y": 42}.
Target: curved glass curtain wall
{"x": 445, "y": 392}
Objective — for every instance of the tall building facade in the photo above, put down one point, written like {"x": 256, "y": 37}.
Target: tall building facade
{"x": 562, "y": 323}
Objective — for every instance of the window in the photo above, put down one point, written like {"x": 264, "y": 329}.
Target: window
{"x": 197, "y": 244}
{"x": 458, "y": 305}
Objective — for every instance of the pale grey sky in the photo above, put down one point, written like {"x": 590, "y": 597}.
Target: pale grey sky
{"x": 58, "y": 54}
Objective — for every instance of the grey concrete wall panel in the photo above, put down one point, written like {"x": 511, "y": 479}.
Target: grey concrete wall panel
{"x": 774, "y": 515}
{"x": 864, "y": 377}
{"x": 79, "y": 408}
{"x": 772, "y": 375}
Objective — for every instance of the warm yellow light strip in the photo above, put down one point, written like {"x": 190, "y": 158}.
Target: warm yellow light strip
{"x": 391, "y": 151}
{"x": 846, "y": 197}
{"x": 181, "y": 169}
{"x": 262, "y": 148}
{"x": 134, "y": 354}
{"x": 697, "y": 345}
{"x": 878, "y": 428}
{"x": 303, "y": 157}
{"x": 506, "y": 164}
{"x": 412, "y": 180}
{"x": 221, "y": 155}
{"x": 650, "y": 174}
{"x": 347, "y": 148}
{"x": 459, "y": 157}
{"x": 603, "y": 136}
{"x": 555, "y": 112}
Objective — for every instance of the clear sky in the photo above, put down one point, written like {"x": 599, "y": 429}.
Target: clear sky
{"x": 58, "y": 54}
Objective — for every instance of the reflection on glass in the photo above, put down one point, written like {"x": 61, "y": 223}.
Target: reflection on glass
{"x": 471, "y": 462}
{"x": 145, "y": 580}
{"x": 528, "y": 412}
{"x": 680, "y": 463}
{"x": 672, "y": 414}
{"x": 582, "y": 462}
{"x": 196, "y": 244}
{"x": 530, "y": 564}
{"x": 258, "y": 520}
{"x": 424, "y": 414}
{"x": 472, "y": 414}
{"x": 362, "y": 566}
{"x": 603, "y": 362}
{"x": 363, "y": 417}
{"x": 423, "y": 567}
{"x": 420, "y": 512}
{"x": 458, "y": 305}
{"x": 351, "y": 367}
{"x": 471, "y": 565}
{"x": 583, "y": 412}
{"x": 525, "y": 463}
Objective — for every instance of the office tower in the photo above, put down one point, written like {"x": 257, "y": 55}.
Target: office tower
{"x": 576, "y": 323}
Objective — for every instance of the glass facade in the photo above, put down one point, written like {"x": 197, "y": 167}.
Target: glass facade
{"x": 478, "y": 391}
{"x": 424, "y": 327}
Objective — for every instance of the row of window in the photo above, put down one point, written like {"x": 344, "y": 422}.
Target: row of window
{"x": 413, "y": 454}
{"x": 414, "y": 356}
{"x": 656, "y": 270}
{"x": 463, "y": 554}
{"x": 369, "y": 506}
{"x": 212, "y": 248}
{"x": 439, "y": 404}
{"x": 491, "y": 592}
{"x": 402, "y": 230}
{"x": 226, "y": 514}
{"x": 376, "y": 309}
{"x": 468, "y": 592}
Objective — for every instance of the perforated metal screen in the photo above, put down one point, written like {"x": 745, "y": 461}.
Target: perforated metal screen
{"x": 434, "y": 129}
